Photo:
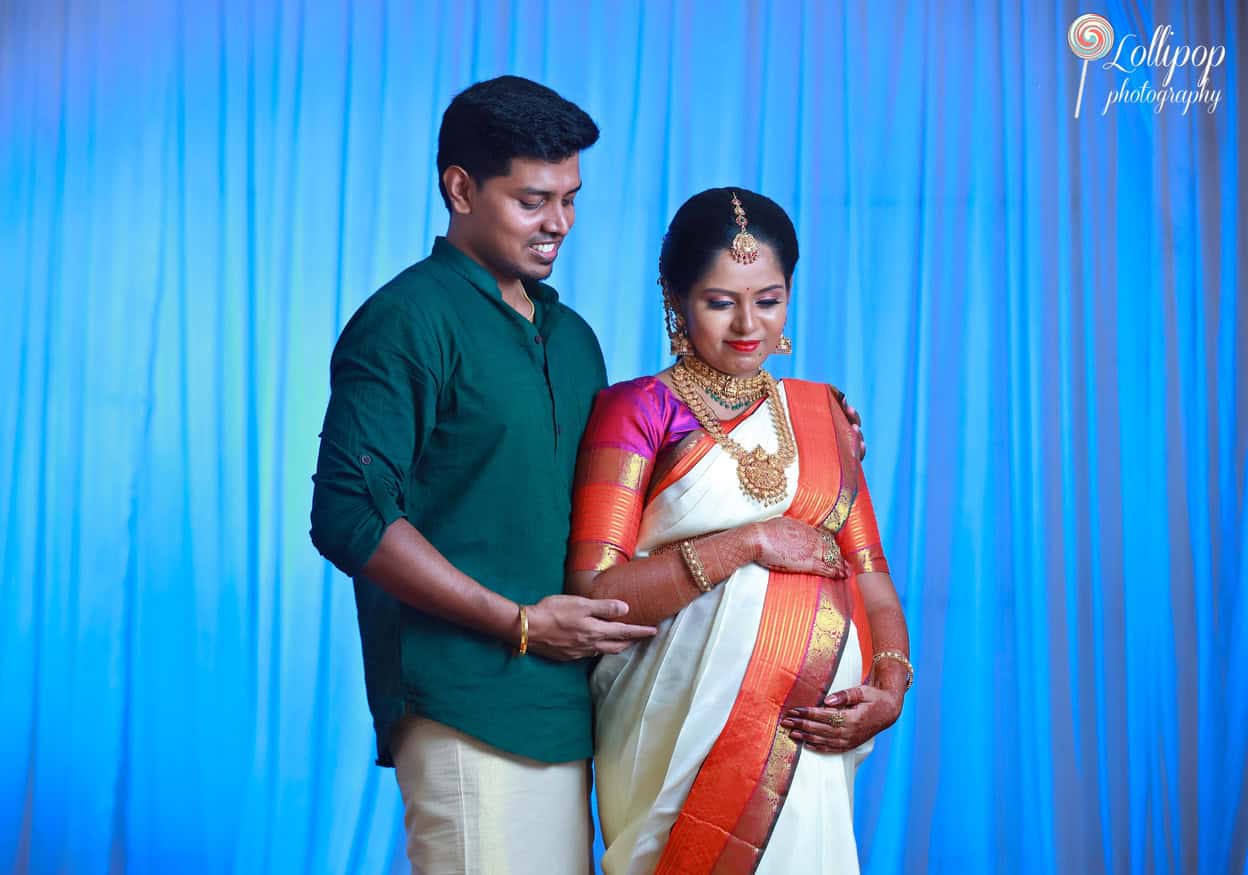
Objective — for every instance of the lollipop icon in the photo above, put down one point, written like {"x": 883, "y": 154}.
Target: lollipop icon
{"x": 1090, "y": 37}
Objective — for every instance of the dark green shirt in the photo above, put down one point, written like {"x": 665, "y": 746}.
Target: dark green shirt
{"x": 450, "y": 409}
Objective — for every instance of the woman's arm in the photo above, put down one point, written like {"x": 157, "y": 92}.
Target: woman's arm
{"x": 658, "y": 586}
{"x": 850, "y": 717}
{"x": 889, "y": 633}
{"x": 626, "y": 429}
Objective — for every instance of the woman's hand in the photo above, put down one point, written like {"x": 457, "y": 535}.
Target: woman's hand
{"x": 848, "y": 719}
{"x": 785, "y": 544}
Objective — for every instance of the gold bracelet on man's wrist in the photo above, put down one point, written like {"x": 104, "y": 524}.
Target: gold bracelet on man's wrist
{"x": 524, "y": 632}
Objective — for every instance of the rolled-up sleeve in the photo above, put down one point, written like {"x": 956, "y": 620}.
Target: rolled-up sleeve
{"x": 382, "y": 407}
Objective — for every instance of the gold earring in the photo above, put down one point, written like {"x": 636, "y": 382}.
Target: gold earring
{"x": 680, "y": 346}
{"x": 674, "y": 322}
{"x": 785, "y": 346}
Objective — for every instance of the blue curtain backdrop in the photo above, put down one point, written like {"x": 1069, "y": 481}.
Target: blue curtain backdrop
{"x": 1043, "y": 320}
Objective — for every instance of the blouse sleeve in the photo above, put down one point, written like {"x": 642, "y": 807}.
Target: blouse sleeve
{"x": 859, "y": 538}
{"x": 613, "y": 473}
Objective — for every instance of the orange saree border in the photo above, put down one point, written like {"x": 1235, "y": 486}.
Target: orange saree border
{"x": 738, "y": 793}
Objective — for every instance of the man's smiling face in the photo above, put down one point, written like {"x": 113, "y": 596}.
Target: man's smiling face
{"x": 516, "y": 223}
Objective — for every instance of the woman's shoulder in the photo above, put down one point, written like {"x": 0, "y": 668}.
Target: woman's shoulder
{"x": 646, "y": 392}
{"x": 641, "y": 407}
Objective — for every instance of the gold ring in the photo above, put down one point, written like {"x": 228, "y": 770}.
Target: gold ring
{"x": 831, "y": 551}
{"x": 837, "y": 718}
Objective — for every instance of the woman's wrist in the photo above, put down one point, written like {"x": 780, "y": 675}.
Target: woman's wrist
{"x": 753, "y": 533}
{"x": 892, "y": 671}
{"x": 899, "y": 700}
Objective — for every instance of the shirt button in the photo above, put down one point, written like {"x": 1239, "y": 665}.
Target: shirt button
{"x": 366, "y": 459}
{"x": 537, "y": 338}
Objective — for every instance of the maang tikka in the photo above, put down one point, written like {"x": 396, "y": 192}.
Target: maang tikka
{"x": 745, "y": 251}
{"x": 744, "y": 246}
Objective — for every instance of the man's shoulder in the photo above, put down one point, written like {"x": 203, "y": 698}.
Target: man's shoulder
{"x": 576, "y": 336}
{"x": 572, "y": 324}
{"x": 420, "y": 285}
{"x": 405, "y": 315}
{"x": 412, "y": 298}
{"x": 574, "y": 321}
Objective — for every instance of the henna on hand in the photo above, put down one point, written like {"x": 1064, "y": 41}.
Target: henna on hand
{"x": 790, "y": 545}
{"x": 859, "y": 714}
{"x": 888, "y": 627}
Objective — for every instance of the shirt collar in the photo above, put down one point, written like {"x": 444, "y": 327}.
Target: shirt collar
{"x": 481, "y": 279}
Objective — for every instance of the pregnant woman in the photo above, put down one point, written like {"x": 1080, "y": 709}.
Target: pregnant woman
{"x": 731, "y": 509}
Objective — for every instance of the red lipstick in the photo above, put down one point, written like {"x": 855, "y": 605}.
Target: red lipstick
{"x": 744, "y": 345}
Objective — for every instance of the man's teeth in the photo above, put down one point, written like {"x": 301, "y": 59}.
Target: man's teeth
{"x": 544, "y": 248}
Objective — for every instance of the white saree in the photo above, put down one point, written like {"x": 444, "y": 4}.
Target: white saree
{"x": 660, "y": 706}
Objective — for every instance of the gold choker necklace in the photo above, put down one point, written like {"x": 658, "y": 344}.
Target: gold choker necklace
{"x": 762, "y": 474}
{"x": 732, "y": 392}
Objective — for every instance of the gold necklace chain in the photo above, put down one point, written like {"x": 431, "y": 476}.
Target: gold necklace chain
{"x": 762, "y": 474}
{"x": 736, "y": 391}
{"x": 532, "y": 306}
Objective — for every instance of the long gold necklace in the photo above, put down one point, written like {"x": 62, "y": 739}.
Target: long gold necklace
{"x": 762, "y": 474}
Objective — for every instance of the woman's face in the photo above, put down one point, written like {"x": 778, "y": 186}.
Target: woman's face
{"x": 736, "y": 312}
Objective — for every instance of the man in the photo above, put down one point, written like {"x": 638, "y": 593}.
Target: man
{"x": 459, "y": 392}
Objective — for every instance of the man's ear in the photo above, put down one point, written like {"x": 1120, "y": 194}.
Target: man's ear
{"x": 460, "y": 189}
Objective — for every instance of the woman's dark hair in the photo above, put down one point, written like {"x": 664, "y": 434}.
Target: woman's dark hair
{"x": 491, "y": 122}
{"x": 705, "y": 225}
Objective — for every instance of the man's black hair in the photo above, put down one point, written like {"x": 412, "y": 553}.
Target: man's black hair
{"x": 494, "y": 121}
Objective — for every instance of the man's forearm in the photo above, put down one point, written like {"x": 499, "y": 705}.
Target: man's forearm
{"x": 412, "y": 570}
{"x": 560, "y": 627}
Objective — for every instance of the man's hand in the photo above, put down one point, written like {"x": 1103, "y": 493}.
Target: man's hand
{"x": 855, "y": 422}
{"x": 566, "y": 627}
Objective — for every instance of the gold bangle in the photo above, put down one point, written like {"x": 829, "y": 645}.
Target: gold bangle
{"x": 524, "y": 632}
{"x": 696, "y": 570}
{"x": 900, "y": 657}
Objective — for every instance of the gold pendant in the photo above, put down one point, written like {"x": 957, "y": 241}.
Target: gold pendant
{"x": 761, "y": 477}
